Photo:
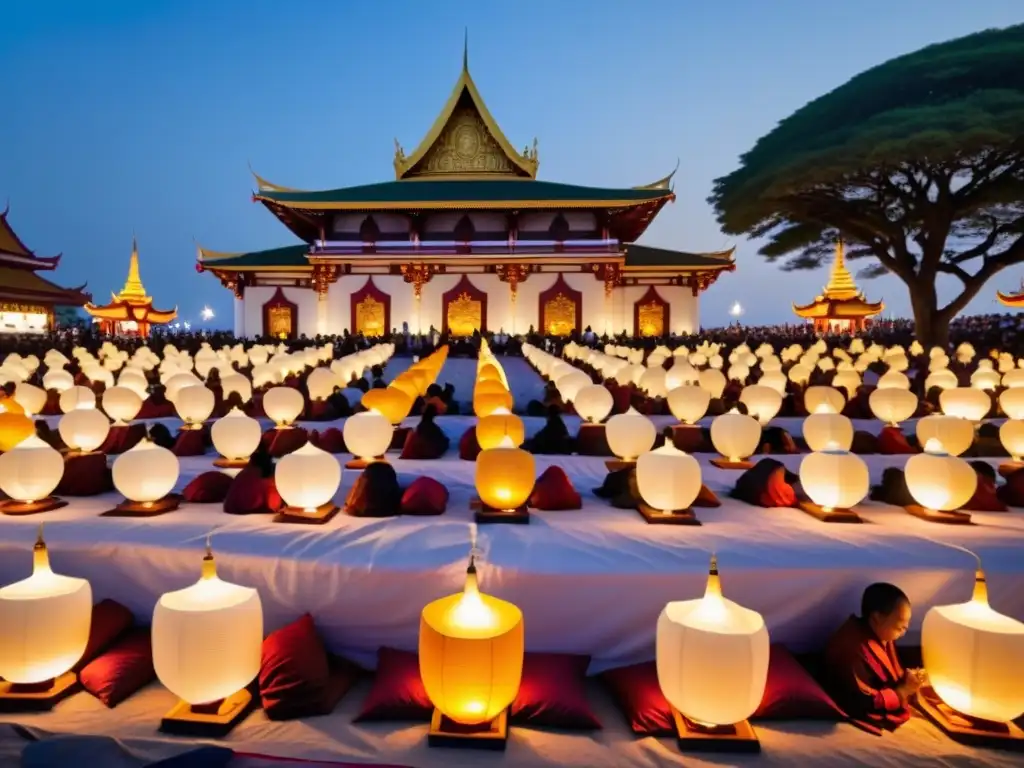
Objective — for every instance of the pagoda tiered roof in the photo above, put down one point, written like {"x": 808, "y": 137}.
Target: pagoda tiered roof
{"x": 132, "y": 303}
{"x": 841, "y": 298}
{"x": 18, "y": 279}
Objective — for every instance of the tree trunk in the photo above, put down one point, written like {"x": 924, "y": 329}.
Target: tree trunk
{"x": 931, "y": 326}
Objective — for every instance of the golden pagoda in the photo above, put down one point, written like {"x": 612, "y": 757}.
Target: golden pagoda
{"x": 1015, "y": 300}
{"x": 130, "y": 311}
{"x": 842, "y": 307}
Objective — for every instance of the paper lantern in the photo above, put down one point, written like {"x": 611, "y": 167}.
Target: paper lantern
{"x": 492, "y": 430}
{"x": 954, "y": 434}
{"x": 308, "y": 478}
{"x": 207, "y": 644}
{"x": 83, "y": 429}
{"x": 763, "y": 403}
{"x": 824, "y": 400}
{"x": 985, "y": 378}
{"x": 834, "y": 479}
{"x": 489, "y": 372}
{"x": 367, "y": 435}
{"x": 390, "y": 402}
{"x": 593, "y": 403}
{"x": 668, "y": 479}
{"x": 486, "y": 404}
{"x": 828, "y": 431}
{"x": 735, "y": 436}
{"x": 689, "y": 403}
{"x": 965, "y": 402}
{"x": 712, "y": 657}
{"x": 58, "y": 380}
{"x": 44, "y": 627}
{"x": 1011, "y": 435}
{"x": 492, "y": 387}
{"x": 321, "y": 383}
{"x": 121, "y": 404}
{"x": 31, "y": 398}
{"x": 1012, "y": 401}
{"x": 973, "y": 656}
{"x": 892, "y": 405}
{"x": 236, "y": 382}
{"x": 236, "y": 436}
{"x": 77, "y": 398}
{"x": 893, "y": 380}
{"x": 471, "y": 655}
{"x": 630, "y": 434}
{"x": 504, "y": 476}
{"x": 14, "y": 427}
{"x": 146, "y": 473}
{"x": 283, "y": 405}
{"x": 194, "y": 405}
{"x": 940, "y": 482}
{"x": 29, "y": 473}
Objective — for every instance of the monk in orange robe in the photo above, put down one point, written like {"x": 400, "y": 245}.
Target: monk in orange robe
{"x": 863, "y": 672}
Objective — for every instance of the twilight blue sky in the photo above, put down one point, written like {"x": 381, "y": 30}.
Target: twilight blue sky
{"x": 142, "y": 115}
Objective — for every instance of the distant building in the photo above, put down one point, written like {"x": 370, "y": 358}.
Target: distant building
{"x": 842, "y": 307}
{"x": 130, "y": 312}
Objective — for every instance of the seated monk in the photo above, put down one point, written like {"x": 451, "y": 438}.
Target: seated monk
{"x": 553, "y": 437}
{"x": 435, "y": 398}
{"x": 863, "y": 673}
{"x": 427, "y": 441}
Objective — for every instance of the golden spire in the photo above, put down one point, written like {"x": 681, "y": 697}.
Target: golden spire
{"x": 840, "y": 282}
{"x": 133, "y": 289}
{"x": 465, "y": 50}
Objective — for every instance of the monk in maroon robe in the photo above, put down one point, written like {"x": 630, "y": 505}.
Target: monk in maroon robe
{"x": 863, "y": 672}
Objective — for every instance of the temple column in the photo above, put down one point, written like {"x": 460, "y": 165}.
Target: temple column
{"x": 239, "y": 324}
{"x": 323, "y": 276}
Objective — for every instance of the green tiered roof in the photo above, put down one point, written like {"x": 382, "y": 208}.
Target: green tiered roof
{"x": 288, "y": 256}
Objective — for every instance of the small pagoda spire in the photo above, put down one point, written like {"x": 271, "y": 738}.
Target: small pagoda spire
{"x": 840, "y": 281}
{"x": 465, "y": 50}
{"x": 133, "y": 288}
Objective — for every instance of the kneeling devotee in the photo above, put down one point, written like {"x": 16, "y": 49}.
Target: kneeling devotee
{"x": 863, "y": 672}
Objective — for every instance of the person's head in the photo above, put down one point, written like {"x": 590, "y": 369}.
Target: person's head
{"x": 886, "y": 609}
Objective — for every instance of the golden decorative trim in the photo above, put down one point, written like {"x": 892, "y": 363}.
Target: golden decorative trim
{"x": 464, "y": 315}
{"x": 560, "y": 316}
{"x": 266, "y": 186}
{"x": 370, "y": 317}
{"x": 27, "y": 309}
{"x": 662, "y": 183}
{"x": 481, "y": 205}
{"x": 651, "y": 319}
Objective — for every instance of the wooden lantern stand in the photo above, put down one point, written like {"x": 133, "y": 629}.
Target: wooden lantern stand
{"x": 36, "y": 697}
{"x": 967, "y": 730}
{"x": 214, "y": 720}
{"x": 933, "y": 516}
{"x": 13, "y": 507}
{"x": 724, "y": 463}
{"x": 128, "y": 508}
{"x": 224, "y": 463}
{"x": 362, "y": 463}
{"x": 616, "y": 465}
{"x": 484, "y": 514}
{"x": 446, "y": 733}
{"x": 819, "y": 512}
{"x": 695, "y": 737}
{"x": 675, "y": 517}
{"x": 299, "y": 516}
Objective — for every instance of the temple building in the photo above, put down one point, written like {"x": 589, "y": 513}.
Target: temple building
{"x": 1015, "y": 300}
{"x": 466, "y": 238}
{"x": 842, "y": 307}
{"x": 130, "y": 312}
{"x": 27, "y": 300}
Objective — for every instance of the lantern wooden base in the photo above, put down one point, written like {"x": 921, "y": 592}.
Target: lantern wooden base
{"x": 445, "y": 733}
{"x": 693, "y": 737}
{"x": 38, "y": 697}
{"x": 617, "y": 465}
{"x": 1007, "y": 468}
{"x": 946, "y": 518}
{"x": 126, "y": 508}
{"x": 592, "y": 440}
{"x": 967, "y": 730}
{"x": 485, "y": 514}
{"x": 31, "y": 507}
{"x": 223, "y": 463}
{"x": 207, "y": 720}
{"x": 362, "y": 463}
{"x": 726, "y": 464}
{"x": 299, "y": 516}
{"x": 828, "y": 515}
{"x": 676, "y": 517}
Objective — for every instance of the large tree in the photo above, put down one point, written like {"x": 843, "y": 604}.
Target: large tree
{"x": 917, "y": 163}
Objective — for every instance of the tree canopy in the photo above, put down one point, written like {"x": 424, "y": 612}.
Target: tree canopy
{"x": 918, "y": 162}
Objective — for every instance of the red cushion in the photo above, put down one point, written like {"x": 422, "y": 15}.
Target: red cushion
{"x": 110, "y": 620}
{"x": 790, "y": 693}
{"x": 190, "y": 442}
{"x": 85, "y": 475}
{"x": 777, "y": 492}
{"x": 295, "y": 673}
{"x": 151, "y": 410}
{"x": 122, "y": 670}
{"x": 985, "y": 498}
{"x": 424, "y": 496}
{"x": 469, "y": 448}
{"x": 397, "y": 692}
{"x": 251, "y": 493}
{"x": 417, "y": 445}
{"x": 330, "y": 440}
{"x": 553, "y": 693}
{"x": 123, "y": 438}
{"x": 765, "y": 485}
{"x": 208, "y": 488}
{"x": 892, "y": 442}
{"x": 280, "y": 442}
{"x": 1012, "y": 491}
{"x": 554, "y": 491}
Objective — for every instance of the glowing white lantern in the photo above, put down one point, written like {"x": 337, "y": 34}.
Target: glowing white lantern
{"x": 367, "y": 435}
{"x": 58, "y": 380}
{"x": 236, "y": 382}
{"x": 892, "y": 405}
{"x": 208, "y": 639}
{"x": 52, "y": 615}
{"x": 893, "y": 380}
{"x": 31, "y": 398}
{"x": 146, "y": 473}
{"x": 712, "y": 657}
{"x": 308, "y": 478}
{"x": 824, "y": 400}
{"x": 1012, "y": 401}
{"x": 973, "y": 657}
{"x": 735, "y": 436}
{"x": 954, "y": 434}
{"x": 689, "y": 403}
{"x": 593, "y": 403}
{"x": 940, "y": 482}
{"x": 77, "y": 398}
{"x": 834, "y": 479}
{"x": 985, "y": 378}
{"x": 965, "y": 402}
{"x": 828, "y": 431}
{"x": 763, "y": 403}
{"x": 121, "y": 404}
{"x": 668, "y": 479}
{"x": 630, "y": 434}
{"x": 283, "y": 405}
{"x": 321, "y": 383}
{"x": 713, "y": 381}
{"x": 1011, "y": 435}
{"x": 30, "y": 471}
{"x": 83, "y": 429}
{"x": 194, "y": 405}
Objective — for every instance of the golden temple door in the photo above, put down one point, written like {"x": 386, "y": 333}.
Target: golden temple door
{"x": 651, "y": 319}
{"x": 560, "y": 316}
{"x": 465, "y": 315}
{"x": 281, "y": 322}
{"x": 370, "y": 317}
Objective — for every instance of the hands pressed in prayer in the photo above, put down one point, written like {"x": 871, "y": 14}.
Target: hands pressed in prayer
{"x": 913, "y": 679}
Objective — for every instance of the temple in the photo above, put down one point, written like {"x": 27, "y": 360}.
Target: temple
{"x": 27, "y": 300}
{"x": 1015, "y": 300}
{"x": 465, "y": 239}
{"x": 130, "y": 312}
{"x": 842, "y": 307}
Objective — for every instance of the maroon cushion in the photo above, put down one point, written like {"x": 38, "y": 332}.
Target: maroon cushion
{"x": 892, "y": 442}
{"x": 469, "y": 448}
{"x": 706, "y": 498}
{"x": 553, "y": 490}
{"x": 553, "y": 693}
{"x": 252, "y": 493}
{"x": 1012, "y": 491}
{"x": 330, "y": 440}
{"x": 85, "y": 475}
{"x": 296, "y": 678}
{"x": 190, "y": 442}
{"x": 864, "y": 443}
{"x": 280, "y": 442}
{"x": 637, "y": 693}
{"x": 765, "y": 485}
{"x": 123, "y": 438}
{"x": 319, "y": 410}
{"x": 397, "y": 692}
{"x": 985, "y": 498}
{"x": 424, "y": 496}
{"x": 208, "y": 488}
{"x": 110, "y": 620}
{"x": 122, "y": 670}
{"x": 152, "y": 410}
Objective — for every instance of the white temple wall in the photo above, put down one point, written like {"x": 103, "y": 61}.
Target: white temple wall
{"x": 258, "y": 295}
{"x": 684, "y": 316}
{"x": 239, "y": 318}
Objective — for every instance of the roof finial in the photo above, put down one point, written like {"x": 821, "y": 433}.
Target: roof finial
{"x": 465, "y": 50}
